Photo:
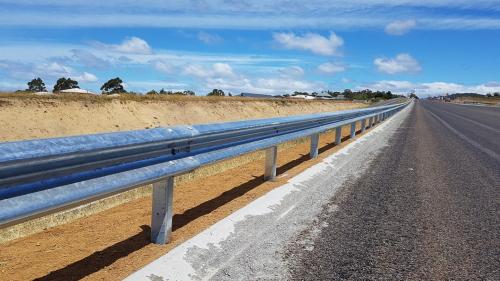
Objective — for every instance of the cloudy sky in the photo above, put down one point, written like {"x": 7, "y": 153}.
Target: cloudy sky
{"x": 275, "y": 47}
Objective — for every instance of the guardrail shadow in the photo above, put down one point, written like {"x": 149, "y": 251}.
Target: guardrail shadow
{"x": 100, "y": 259}
{"x": 103, "y": 258}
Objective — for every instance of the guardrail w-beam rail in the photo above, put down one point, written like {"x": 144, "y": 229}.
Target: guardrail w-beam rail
{"x": 43, "y": 176}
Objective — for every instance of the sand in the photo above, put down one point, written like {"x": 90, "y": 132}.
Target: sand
{"x": 31, "y": 117}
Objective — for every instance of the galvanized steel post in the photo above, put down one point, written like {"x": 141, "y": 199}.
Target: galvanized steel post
{"x": 363, "y": 125}
{"x": 314, "y": 145}
{"x": 270, "y": 166}
{"x": 353, "y": 130}
{"x": 338, "y": 135}
{"x": 161, "y": 216}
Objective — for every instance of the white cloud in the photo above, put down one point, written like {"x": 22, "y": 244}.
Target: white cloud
{"x": 132, "y": 45}
{"x": 86, "y": 77}
{"x": 273, "y": 86}
{"x": 400, "y": 27}
{"x": 54, "y": 69}
{"x": 145, "y": 86}
{"x": 163, "y": 66}
{"x": 273, "y": 15}
{"x": 292, "y": 71}
{"x": 331, "y": 68}
{"x": 222, "y": 76}
{"x": 89, "y": 59}
{"x": 402, "y": 63}
{"x": 215, "y": 70}
{"x": 222, "y": 70}
{"x": 209, "y": 38}
{"x": 313, "y": 42}
{"x": 431, "y": 88}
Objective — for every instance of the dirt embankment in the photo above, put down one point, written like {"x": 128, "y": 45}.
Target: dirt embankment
{"x": 28, "y": 117}
{"x": 492, "y": 101}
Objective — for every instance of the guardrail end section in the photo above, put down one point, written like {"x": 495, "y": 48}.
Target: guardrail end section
{"x": 161, "y": 216}
{"x": 314, "y": 145}
{"x": 270, "y": 165}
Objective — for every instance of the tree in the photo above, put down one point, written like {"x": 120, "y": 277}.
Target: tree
{"x": 348, "y": 94}
{"x": 216, "y": 92}
{"x": 488, "y": 95}
{"x": 113, "y": 86}
{"x": 152, "y": 92}
{"x": 36, "y": 85}
{"x": 64, "y": 84}
{"x": 496, "y": 94}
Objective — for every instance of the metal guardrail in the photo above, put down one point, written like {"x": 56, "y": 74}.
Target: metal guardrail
{"x": 39, "y": 177}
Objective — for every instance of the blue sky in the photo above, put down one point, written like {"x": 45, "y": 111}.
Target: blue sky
{"x": 272, "y": 47}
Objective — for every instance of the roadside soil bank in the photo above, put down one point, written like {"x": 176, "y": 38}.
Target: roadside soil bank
{"x": 27, "y": 116}
{"x": 114, "y": 243}
{"x": 491, "y": 101}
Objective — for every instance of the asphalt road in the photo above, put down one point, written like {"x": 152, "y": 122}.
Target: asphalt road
{"x": 428, "y": 209}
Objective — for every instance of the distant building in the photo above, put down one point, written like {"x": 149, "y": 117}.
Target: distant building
{"x": 259, "y": 96}
{"x": 75, "y": 91}
{"x": 324, "y": 96}
{"x": 302, "y": 97}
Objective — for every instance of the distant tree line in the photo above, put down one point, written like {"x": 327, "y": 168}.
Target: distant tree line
{"x": 458, "y": 95}
{"x": 463, "y": 95}
{"x": 112, "y": 86}
{"x": 115, "y": 86}
{"x": 349, "y": 94}
{"x": 179, "y": 93}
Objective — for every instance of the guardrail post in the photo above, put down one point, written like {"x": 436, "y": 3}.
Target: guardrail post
{"x": 353, "y": 130}
{"x": 372, "y": 121}
{"x": 270, "y": 166}
{"x": 314, "y": 145}
{"x": 161, "y": 216}
{"x": 338, "y": 135}
{"x": 363, "y": 125}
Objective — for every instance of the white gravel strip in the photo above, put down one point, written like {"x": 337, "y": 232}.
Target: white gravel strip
{"x": 249, "y": 244}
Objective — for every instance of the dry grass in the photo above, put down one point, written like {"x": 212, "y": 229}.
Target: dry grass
{"x": 483, "y": 100}
{"x": 152, "y": 98}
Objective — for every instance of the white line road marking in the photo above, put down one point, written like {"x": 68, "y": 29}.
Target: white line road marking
{"x": 475, "y": 122}
{"x": 488, "y": 151}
